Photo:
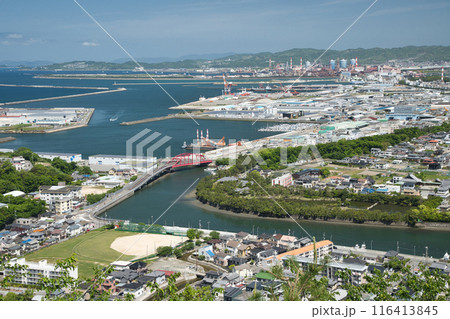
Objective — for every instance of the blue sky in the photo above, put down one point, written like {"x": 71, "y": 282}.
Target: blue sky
{"x": 59, "y": 30}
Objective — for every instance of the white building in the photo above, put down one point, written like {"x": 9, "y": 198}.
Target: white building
{"x": 52, "y": 193}
{"x": 68, "y": 157}
{"x": 283, "y": 180}
{"x": 15, "y": 194}
{"x": 35, "y": 270}
{"x": 74, "y": 230}
{"x": 20, "y": 164}
{"x": 107, "y": 162}
{"x": 63, "y": 205}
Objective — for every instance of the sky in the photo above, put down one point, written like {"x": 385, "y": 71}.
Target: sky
{"x": 59, "y": 30}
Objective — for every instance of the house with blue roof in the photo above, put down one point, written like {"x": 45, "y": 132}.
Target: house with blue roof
{"x": 208, "y": 252}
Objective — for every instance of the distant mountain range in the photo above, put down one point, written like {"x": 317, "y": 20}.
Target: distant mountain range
{"x": 30, "y": 64}
{"x": 435, "y": 54}
{"x": 206, "y": 56}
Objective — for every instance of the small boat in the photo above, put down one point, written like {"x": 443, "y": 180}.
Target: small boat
{"x": 112, "y": 119}
{"x": 184, "y": 145}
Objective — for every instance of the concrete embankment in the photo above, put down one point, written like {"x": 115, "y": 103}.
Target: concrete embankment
{"x": 209, "y": 118}
{"x": 151, "y": 119}
{"x": 55, "y": 87}
{"x": 6, "y": 139}
{"x": 61, "y": 97}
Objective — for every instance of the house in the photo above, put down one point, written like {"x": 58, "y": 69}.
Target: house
{"x": 230, "y": 293}
{"x": 20, "y": 164}
{"x": 73, "y": 230}
{"x": 242, "y": 235}
{"x": 124, "y": 276}
{"x": 287, "y": 242}
{"x": 246, "y": 270}
{"x": 138, "y": 266}
{"x": 265, "y": 257}
{"x": 243, "y": 250}
{"x": 121, "y": 265}
{"x": 264, "y": 277}
{"x": 390, "y": 254}
{"x": 232, "y": 278}
{"x": 253, "y": 285}
{"x": 211, "y": 277}
{"x": 236, "y": 261}
{"x": 135, "y": 288}
{"x": 157, "y": 276}
{"x": 108, "y": 285}
{"x": 373, "y": 268}
{"x": 444, "y": 190}
{"x": 232, "y": 247}
{"x": 207, "y": 252}
{"x": 221, "y": 259}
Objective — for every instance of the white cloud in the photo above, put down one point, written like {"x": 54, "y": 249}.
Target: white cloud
{"x": 90, "y": 44}
{"x": 14, "y": 36}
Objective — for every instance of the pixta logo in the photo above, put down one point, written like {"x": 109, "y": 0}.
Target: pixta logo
{"x": 141, "y": 148}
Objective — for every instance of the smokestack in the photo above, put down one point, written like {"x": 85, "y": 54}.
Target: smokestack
{"x": 356, "y": 62}
{"x": 207, "y": 134}
{"x": 291, "y": 63}
{"x": 197, "y": 135}
{"x": 301, "y": 63}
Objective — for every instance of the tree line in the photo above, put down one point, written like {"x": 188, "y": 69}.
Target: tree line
{"x": 262, "y": 199}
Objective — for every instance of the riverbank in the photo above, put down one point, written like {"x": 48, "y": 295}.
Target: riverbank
{"x": 425, "y": 226}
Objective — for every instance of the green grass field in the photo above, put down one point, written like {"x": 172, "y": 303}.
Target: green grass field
{"x": 90, "y": 249}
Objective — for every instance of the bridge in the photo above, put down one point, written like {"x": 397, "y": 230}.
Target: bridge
{"x": 163, "y": 167}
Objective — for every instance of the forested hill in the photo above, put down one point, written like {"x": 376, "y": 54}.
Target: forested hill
{"x": 436, "y": 54}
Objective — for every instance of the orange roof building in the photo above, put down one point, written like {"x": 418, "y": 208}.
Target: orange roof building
{"x": 323, "y": 247}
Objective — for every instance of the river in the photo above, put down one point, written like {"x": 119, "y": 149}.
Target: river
{"x": 142, "y": 101}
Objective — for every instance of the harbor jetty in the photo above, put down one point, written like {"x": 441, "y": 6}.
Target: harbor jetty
{"x": 7, "y": 139}
{"x": 61, "y": 97}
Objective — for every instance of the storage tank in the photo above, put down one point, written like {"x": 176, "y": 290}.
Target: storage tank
{"x": 333, "y": 64}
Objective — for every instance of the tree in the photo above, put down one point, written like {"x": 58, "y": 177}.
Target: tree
{"x": 164, "y": 251}
{"x": 84, "y": 170}
{"x": 325, "y": 172}
{"x": 214, "y": 234}
{"x": 191, "y": 233}
{"x": 172, "y": 293}
{"x": 426, "y": 285}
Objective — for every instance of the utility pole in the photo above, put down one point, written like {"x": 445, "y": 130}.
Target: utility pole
{"x": 397, "y": 247}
